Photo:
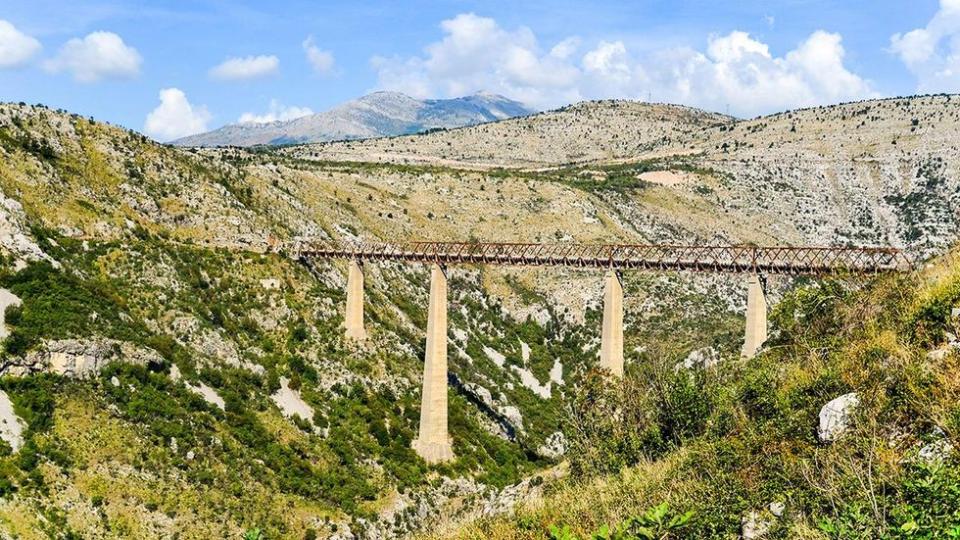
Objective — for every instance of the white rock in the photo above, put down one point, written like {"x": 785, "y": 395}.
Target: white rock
{"x": 14, "y": 234}
{"x": 495, "y": 356}
{"x": 935, "y": 452}
{"x": 754, "y": 525}
{"x": 79, "y": 358}
{"x": 11, "y": 426}
{"x": 530, "y": 381}
{"x": 835, "y": 417}
{"x": 955, "y": 313}
{"x": 482, "y": 393}
{"x": 290, "y": 403}
{"x": 704, "y": 358}
{"x": 777, "y": 508}
{"x": 513, "y": 415}
{"x": 270, "y": 284}
{"x": 115, "y": 381}
{"x": 556, "y": 372}
{"x": 554, "y": 447}
{"x": 208, "y": 394}
{"x": 7, "y": 299}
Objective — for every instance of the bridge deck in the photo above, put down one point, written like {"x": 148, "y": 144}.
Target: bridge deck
{"x": 766, "y": 260}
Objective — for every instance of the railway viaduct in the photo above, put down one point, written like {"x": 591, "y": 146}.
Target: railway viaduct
{"x": 433, "y": 442}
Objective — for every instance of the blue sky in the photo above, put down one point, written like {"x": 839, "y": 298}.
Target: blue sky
{"x": 200, "y": 64}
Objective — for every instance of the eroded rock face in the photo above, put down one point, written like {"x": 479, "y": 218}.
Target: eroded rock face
{"x": 78, "y": 358}
{"x": 835, "y": 417}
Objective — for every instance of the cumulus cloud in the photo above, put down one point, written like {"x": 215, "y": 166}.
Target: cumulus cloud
{"x": 932, "y": 53}
{"x": 99, "y": 55}
{"x": 275, "y": 112}
{"x": 476, "y": 53}
{"x": 175, "y": 117}
{"x": 16, "y": 48}
{"x": 249, "y": 67}
{"x": 320, "y": 60}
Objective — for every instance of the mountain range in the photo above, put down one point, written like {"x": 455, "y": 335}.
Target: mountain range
{"x": 380, "y": 114}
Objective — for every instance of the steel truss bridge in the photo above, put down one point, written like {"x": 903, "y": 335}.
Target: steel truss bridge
{"x": 663, "y": 257}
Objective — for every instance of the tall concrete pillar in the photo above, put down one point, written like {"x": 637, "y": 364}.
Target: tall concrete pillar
{"x": 756, "y": 332}
{"x": 611, "y": 339}
{"x": 353, "y": 320}
{"x": 433, "y": 442}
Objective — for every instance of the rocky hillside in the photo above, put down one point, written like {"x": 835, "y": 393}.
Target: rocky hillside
{"x": 167, "y": 375}
{"x": 876, "y": 172}
{"x": 585, "y": 132}
{"x": 381, "y": 114}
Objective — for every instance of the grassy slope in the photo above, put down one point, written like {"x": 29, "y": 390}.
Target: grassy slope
{"x": 746, "y": 436}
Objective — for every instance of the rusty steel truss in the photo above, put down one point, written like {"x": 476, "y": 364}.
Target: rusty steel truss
{"x": 763, "y": 260}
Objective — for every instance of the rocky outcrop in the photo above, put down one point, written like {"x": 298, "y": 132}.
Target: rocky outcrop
{"x": 11, "y": 425}
{"x": 208, "y": 394}
{"x": 290, "y": 403}
{"x": 7, "y": 299}
{"x": 704, "y": 358}
{"x": 836, "y": 416}
{"x": 78, "y": 358}
{"x": 13, "y": 234}
{"x": 554, "y": 447}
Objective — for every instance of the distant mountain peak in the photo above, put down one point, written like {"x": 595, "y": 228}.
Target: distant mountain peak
{"x": 382, "y": 113}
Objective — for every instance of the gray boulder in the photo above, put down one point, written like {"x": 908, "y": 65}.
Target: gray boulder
{"x": 554, "y": 447}
{"x": 836, "y": 416}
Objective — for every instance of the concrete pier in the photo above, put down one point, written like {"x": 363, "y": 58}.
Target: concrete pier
{"x": 433, "y": 442}
{"x": 756, "y": 331}
{"x": 353, "y": 319}
{"x": 611, "y": 340}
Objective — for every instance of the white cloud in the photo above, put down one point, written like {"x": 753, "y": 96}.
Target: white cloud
{"x": 734, "y": 47}
{"x": 566, "y": 48}
{"x": 249, "y": 67}
{"x": 97, "y": 56}
{"x": 322, "y": 61}
{"x": 276, "y": 111}
{"x": 476, "y": 53}
{"x": 932, "y": 53}
{"x": 608, "y": 59}
{"x": 175, "y": 117}
{"x": 15, "y": 46}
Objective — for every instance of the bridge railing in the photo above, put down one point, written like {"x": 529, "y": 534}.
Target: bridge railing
{"x": 716, "y": 258}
